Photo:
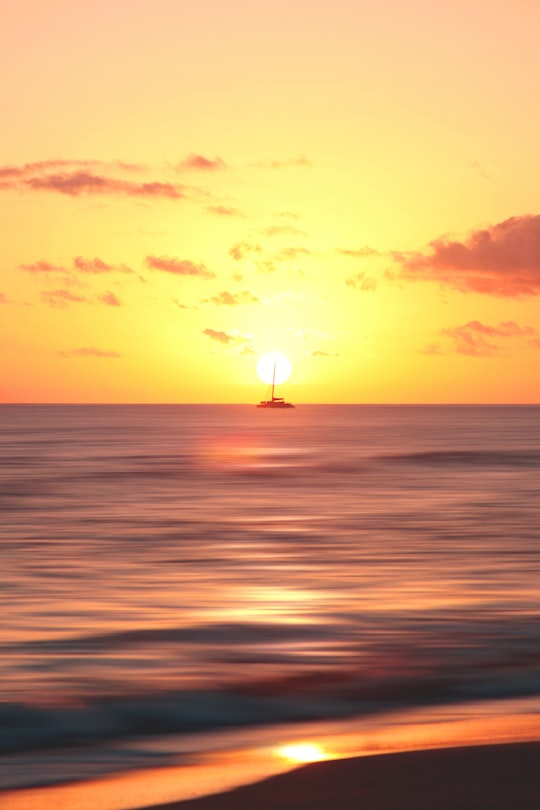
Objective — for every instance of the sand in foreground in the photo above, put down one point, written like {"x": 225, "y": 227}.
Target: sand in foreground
{"x": 494, "y": 777}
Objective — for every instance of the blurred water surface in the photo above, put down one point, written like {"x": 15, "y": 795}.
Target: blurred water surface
{"x": 180, "y": 568}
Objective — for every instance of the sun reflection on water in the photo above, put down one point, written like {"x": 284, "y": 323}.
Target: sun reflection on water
{"x": 303, "y": 752}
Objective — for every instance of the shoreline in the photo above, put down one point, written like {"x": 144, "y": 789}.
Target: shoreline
{"x": 504, "y": 776}
{"x": 246, "y": 759}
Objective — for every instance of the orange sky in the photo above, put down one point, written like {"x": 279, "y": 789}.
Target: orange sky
{"x": 186, "y": 184}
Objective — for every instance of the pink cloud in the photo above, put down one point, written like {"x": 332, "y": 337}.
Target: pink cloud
{"x": 283, "y": 230}
{"x": 299, "y": 161}
{"x": 476, "y": 339}
{"x": 40, "y": 166}
{"x": 202, "y": 163}
{"x": 178, "y": 267}
{"x": 3, "y": 298}
{"x": 502, "y": 260}
{"x": 76, "y": 183}
{"x": 218, "y": 335}
{"x": 62, "y": 298}
{"x": 229, "y": 299}
{"x": 42, "y": 267}
{"x": 77, "y": 177}
{"x": 240, "y": 250}
{"x": 96, "y": 266}
{"x": 110, "y": 299}
{"x": 224, "y": 211}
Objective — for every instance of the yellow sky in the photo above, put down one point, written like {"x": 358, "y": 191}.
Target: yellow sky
{"x": 186, "y": 184}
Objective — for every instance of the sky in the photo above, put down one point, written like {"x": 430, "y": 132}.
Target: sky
{"x": 188, "y": 184}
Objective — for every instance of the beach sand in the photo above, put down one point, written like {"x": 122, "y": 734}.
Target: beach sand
{"x": 487, "y": 777}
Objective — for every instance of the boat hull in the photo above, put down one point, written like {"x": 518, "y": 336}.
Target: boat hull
{"x": 275, "y": 403}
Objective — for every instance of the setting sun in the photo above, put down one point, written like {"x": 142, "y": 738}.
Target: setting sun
{"x": 274, "y": 367}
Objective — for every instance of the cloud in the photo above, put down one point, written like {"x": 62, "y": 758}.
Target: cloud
{"x": 291, "y": 163}
{"x": 219, "y": 336}
{"x": 98, "y": 266}
{"x": 78, "y": 177}
{"x": 362, "y": 281}
{"x": 202, "y": 163}
{"x": 88, "y": 352}
{"x": 321, "y": 353}
{"x": 74, "y": 184}
{"x": 79, "y": 265}
{"x": 266, "y": 264}
{"x": 110, "y": 299}
{"x": 42, "y": 267}
{"x": 358, "y": 253}
{"x": 225, "y": 211}
{"x": 501, "y": 260}
{"x": 229, "y": 299}
{"x": 240, "y": 250}
{"x": 178, "y": 267}
{"x": 234, "y": 340}
{"x": 40, "y": 166}
{"x": 62, "y": 298}
{"x": 476, "y": 339}
{"x": 179, "y": 304}
{"x": 283, "y": 230}
{"x": 3, "y": 298}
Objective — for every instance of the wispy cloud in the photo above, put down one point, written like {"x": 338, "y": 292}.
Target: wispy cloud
{"x": 62, "y": 298}
{"x": 79, "y": 265}
{"x": 283, "y": 230}
{"x": 234, "y": 340}
{"x": 75, "y": 178}
{"x": 358, "y": 253}
{"x": 110, "y": 299}
{"x": 98, "y": 266}
{"x": 180, "y": 305}
{"x": 201, "y": 163}
{"x": 225, "y": 211}
{"x": 241, "y": 250}
{"x": 3, "y": 298}
{"x": 77, "y": 183}
{"x": 44, "y": 166}
{"x": 476, "y": 339}
{"x": 322, "y": 353}
{"x": 290, "y": 163}
{"x": 178, "y": 267}
{"x": 501, "y": 260}
{"x": 362, "y": 281}
{"x": 42, "y": 267}
{"x": 266, "y": 263}
{"x": 229, "y": 299}
{"x": 219, "y": 336}
{"x": 90, "y": 352}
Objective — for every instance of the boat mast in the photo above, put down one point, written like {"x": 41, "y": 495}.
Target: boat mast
{"x": 273, "y": 380}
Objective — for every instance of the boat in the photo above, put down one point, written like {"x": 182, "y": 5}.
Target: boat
{"x": 274, "y": 402}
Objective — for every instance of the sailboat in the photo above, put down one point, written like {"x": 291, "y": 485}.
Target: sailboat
{"x": 274, "y": 402}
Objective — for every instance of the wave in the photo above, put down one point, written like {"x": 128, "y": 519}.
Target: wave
{"x": 314, "y": 694}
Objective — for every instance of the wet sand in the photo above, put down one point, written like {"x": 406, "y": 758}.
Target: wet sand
{"x": 487, "y": 777}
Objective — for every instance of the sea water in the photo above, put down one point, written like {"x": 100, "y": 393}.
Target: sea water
{"x": 167, "y": 570}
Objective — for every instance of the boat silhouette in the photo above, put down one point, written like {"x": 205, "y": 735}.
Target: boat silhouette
{"x": 274, "y": 402}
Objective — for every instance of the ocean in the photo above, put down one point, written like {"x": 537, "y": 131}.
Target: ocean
{"x": 170, "y": 570}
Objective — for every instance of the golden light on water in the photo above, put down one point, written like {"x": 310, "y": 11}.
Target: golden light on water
{"x": 303, "y": 752}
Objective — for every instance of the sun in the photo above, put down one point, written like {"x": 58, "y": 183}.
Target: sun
{"x": 274, "y": 364}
